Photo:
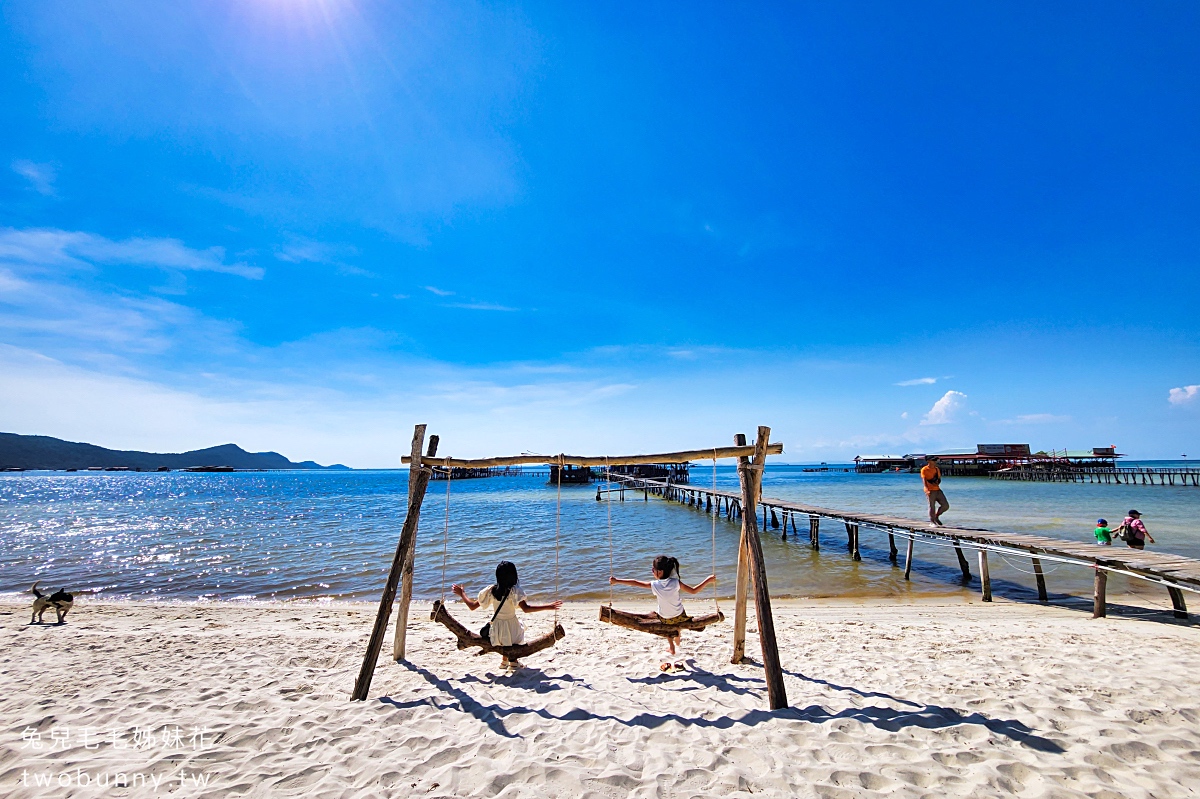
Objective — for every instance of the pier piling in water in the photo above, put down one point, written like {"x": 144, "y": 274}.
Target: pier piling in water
{"x": 1176, "y": 573}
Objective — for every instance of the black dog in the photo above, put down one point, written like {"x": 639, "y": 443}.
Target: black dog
{"x": 60, "y": 600}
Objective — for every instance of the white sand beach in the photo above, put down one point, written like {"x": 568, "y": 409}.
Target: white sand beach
{"x": 930, "y": 699}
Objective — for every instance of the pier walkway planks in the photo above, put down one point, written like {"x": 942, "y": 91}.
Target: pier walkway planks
{"x": 1176, "y": 572}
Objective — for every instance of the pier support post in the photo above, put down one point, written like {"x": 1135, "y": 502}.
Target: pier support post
{"x": 774, "y": 520}
{"x": 1041, "y": 580}
{"x": 785, "y": 524}
{"x": 985, "y": 577}
{"x": 406, "y": 576}
{"x": 854, "y": 554}
{"x": 1099, "y": 601}
{"x": 908, "y": 552}
{"x": 962, "y": 562}
{"x": 814, "y": 532}
{"x": 419, "y": 482}
{"x": 892, "y": 551}
{"x": 1177, "y": 603}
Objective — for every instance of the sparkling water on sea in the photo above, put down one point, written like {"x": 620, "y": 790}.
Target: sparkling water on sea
{"x": 331, "y": 535}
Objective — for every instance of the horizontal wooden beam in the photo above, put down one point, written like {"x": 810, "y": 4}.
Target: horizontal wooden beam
{"x": 612, "y": 460}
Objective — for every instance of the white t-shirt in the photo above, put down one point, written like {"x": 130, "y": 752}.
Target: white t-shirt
{"x": 667, "y": 591}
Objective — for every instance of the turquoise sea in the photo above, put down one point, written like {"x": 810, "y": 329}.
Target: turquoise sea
{"x": 331, "y": 535}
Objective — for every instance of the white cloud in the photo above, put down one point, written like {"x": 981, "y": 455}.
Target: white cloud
{"x": 946, "y": 409}
{"x": 1183, "y": 396}
{"x": 46, "y": 247}
{"x": 904, "y": 415}
{"x": 479, "y": 306}
{"x": 439, "y": 292}
{"x": 918, "y": 381}
{"x": 40, "y": 176}
{"x": 1035, "y": 418}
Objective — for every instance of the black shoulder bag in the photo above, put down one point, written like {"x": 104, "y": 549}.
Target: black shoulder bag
{"x": 485, "y": 632}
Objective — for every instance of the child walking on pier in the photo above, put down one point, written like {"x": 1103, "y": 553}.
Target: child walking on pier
{"x": 931, "y": 476}
{"x": 666, "y": 585}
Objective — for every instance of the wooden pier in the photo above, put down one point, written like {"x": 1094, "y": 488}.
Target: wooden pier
{"x": 472, "y": 473}
{"x": 1174, "y": 572}
{"x": 1123, "y": 475}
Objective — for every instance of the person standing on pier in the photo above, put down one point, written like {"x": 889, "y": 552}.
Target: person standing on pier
{"x": 931, "y": 475}
{"x": 1136, "y": 534}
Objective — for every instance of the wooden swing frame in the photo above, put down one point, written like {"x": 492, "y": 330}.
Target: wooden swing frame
{"x": 751, "y": 570}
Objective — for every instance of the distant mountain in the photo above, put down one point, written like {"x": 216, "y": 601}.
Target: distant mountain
{"x": 44, "y": 452}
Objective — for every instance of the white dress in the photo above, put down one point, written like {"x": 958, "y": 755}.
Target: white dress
{"x": 507, "y": 629}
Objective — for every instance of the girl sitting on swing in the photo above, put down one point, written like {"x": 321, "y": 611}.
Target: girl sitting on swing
{"x": 666, "y": 585}
{"x": 503, "y": 599}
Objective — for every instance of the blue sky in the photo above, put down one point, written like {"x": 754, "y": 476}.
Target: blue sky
{"x": 304, "y": 225}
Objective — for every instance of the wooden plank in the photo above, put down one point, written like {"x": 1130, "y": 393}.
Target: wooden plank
{"x": 606, "y": 460}
{"x": 651, "y": 623}
{"x": 752, "y": 486}
{"x": 363, "y": 684}
{"x": 406, "y": 575}
{"x": 468, "y": 639}
{"x": 742, "y": 585}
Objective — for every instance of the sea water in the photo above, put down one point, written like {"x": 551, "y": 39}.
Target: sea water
{"x": 331, "y": 535}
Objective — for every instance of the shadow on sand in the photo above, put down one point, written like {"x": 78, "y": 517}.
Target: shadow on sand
{"x": 885, "y": 718}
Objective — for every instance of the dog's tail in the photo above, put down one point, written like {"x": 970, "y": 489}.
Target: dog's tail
{"x": 36, "y": 592}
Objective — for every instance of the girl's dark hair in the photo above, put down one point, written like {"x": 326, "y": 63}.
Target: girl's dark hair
{"x": 506, "y": 578}
{"x": 668, "y": 565}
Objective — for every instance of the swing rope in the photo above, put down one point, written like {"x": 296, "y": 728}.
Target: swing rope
{"x": 557, "y": 529}
{"x": 716, "y": 604}
{"x": 608, "y": 507}
{"x": 446, "y": 529}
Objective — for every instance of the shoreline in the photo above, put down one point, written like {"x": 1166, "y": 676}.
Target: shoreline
{"x": 929, "y": 698}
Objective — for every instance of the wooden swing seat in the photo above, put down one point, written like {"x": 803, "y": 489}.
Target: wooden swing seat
{"x": 468, "y": 639}
{"x": 651, "y": 623}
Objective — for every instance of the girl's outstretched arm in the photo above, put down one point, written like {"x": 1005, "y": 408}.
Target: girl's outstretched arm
{"x": 528, "y": 608}
{"x": 470, "y": 603}
{"x": 634, "y": 583}
{"x": 697, "y": 588}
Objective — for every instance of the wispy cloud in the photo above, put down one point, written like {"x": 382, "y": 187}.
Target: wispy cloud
{"x": 917, "y": 381}
{"x": 1035, "y": 418}
{"x": 1184, "y": 395}
{"x": 947, "y": 409}
{"x": 316, "y": 252}
{"x": 479, "y": 306}
{"x": 47, "y": 247}
{"x": 439, "y": 292}
{"x": 40, "y": 176}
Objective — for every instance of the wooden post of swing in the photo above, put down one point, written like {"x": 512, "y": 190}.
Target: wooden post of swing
{"x": 742, "y": 586}
{"x": 751, "y": 551}
{"x": 418, "y": 481}
{"x": 406, "y": 576}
